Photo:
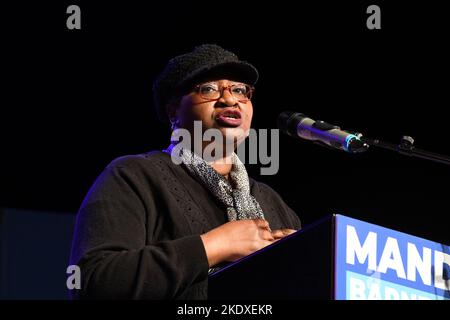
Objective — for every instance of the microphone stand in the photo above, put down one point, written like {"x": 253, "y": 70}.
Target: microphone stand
{"x": 406, "y": 147}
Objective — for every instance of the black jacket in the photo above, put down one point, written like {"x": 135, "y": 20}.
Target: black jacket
{"x": 137, "y": 234}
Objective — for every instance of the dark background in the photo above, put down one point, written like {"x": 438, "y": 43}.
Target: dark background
{"x": 73, "y": 100}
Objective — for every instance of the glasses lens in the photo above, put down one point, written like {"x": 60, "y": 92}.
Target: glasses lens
{"x": 212, "y": 91}
{"x": 209, "y": 91}
{"x": 241, "y": 91}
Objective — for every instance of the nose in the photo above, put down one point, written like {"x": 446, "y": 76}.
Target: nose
{"x": 227, "y": 98}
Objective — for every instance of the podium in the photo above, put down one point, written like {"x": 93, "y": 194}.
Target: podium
{"x": 339, "y": 258}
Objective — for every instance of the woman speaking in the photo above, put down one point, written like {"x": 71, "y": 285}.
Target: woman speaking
{"x": 152, "y": 227}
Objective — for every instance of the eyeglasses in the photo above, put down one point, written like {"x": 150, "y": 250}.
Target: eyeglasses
{"x": 211, "y": 91}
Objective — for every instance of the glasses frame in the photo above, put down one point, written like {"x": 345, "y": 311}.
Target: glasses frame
{"x": 222, "y": 89}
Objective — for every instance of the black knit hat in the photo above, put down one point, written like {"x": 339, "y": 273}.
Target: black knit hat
{"x": 205, "y": 62}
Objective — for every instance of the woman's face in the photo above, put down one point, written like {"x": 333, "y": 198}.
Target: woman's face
{"x": 230, "y": 115}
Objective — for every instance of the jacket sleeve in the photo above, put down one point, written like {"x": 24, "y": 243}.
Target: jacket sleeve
{"x": 109, "y": 244}
{"x": 271, "y": 199}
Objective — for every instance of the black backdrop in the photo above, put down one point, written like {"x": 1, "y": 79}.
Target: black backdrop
{"x": 73, "y": 100}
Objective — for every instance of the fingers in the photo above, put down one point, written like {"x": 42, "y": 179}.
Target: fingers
{"x": 281, "y": 233}
{"x": 267, "y": 235}
{"x": 265, "y": 232}
{"x": 261, "y": 223}
{"x": 266, "y": 243}
{"x": 275, "y": 234}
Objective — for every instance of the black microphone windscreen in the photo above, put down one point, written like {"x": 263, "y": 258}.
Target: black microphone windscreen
{"x": 288, "y": 121}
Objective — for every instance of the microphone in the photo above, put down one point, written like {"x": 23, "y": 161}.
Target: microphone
{"x": 298, "y": 125}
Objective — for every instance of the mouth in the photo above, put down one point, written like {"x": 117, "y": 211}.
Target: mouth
{"x": 229, "y": 118}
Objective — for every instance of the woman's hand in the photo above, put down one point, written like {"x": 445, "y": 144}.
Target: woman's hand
{"x": 237, "y": 239}
{"x": 281, "y": 233}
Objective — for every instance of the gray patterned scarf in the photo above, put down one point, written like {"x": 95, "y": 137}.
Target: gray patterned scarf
{"x": 239, "y": 202}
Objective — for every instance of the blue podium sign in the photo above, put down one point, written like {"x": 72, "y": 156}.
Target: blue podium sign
{"x": 376, "y": 263}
